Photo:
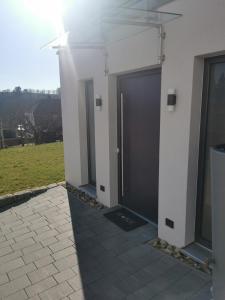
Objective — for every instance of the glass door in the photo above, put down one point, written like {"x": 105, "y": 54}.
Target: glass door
{"x": 212, "y": 134}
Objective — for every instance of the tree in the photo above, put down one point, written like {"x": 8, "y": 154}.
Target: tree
{"x": 20, "y": 133}
{"x": 31, "y": 129}
{"x": 17, "y": 90}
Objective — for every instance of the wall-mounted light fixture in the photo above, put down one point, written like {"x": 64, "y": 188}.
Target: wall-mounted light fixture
{"x": 98, "y": 102}
{"x": 171, "y": 99}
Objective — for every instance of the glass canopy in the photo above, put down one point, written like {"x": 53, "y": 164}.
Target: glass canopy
{"x": 112, "y": 21}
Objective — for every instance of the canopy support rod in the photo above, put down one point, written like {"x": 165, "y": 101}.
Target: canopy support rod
{"x": 162, "y": 36}
{"x": 106, "y": 55}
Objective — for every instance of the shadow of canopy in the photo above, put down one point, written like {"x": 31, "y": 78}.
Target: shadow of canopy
{"x": 110, "y": 260}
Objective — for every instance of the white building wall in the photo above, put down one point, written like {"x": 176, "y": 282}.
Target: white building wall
{"x": 70, "y": 119}
{"x": 76, "y": 66}
{"x": 198, "y": 33}
{"x": 136, "y": 53}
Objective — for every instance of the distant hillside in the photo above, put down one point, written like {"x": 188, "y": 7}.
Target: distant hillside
{"x": 14, "y": 106}
{"x": 44, "y": 108}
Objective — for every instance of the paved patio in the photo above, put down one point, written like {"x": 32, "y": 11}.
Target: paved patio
{"x": 56, "y": 247}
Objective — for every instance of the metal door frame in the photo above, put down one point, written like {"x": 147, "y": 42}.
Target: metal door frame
{"x": 119, "y": 136}
{"x": 202, "y": 148}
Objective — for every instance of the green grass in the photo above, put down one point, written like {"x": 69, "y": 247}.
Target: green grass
{"x": 30, "y": 166}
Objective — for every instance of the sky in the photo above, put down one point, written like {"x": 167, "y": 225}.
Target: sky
{"x": 24, "y": 29}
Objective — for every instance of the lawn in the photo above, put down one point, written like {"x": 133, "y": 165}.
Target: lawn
{"x": 30, "y": 166}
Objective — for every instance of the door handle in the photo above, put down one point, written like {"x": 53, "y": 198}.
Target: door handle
{"x": 121, "y": 124}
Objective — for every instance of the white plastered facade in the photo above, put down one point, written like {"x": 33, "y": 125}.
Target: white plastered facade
{"x": 197, "y": 34}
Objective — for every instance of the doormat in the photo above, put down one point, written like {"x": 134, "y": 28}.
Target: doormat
{"x": 125, "y": 219}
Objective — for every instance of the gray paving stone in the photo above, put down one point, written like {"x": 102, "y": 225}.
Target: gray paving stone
{"x": 3, "y": 279}
{"x": 59, "y": 218}
{"x": 64, "y": 227}
{"x": 12, "y": 225}
{"x": 67, "y": 262}
{"x": 13, "y": 286}
{"x": 42, "y": 229}
{"x": 64, "y": 275}
{"x": 10, "y": 219}
{"x": 37, "y": 221}
{"x": 44, "y": 261}
{"x": 65, "y": 235}
{"x": 33, "y": 256}
{"x": 5, "y": 250}
{"x": 38, "y": 224}
{"x": 17, "y": 228}
{"x": 21, "y": 226}
{"x": 2, "y": 238}
{"x": 21, "y": 295}
{"x": 41, "y": 286}
{"x": 58, "y": 292}
{"x": 25, "y": 212}
{"x": 160, "y": 266}
{"x": 42, "y": 273}
{"x": 47, "y": 234}
{"x": 79, "y": 295}
{"x": 75, "y": 282}
{"x": 32, "y": 248}
{"x": 23, "y": 244}
{"x": 17, "y": 233}
{"x": 9, "y": 257}
{"x": 130, "y": 284}
{"x": 18, "y": 272}
{"x": 32, "y": 218}
{"x": 43, "y": 258}
{"x": 42, "y": 207}
{"x": 184, "y": 288}
{"x": 49, "y": 241}
{"x": 11, "y": 265}
{"x": 203, "y": 294}
{"x": 6, "y": 243}
{"x": 61, "y": 245}
{"x": 65, "y": 252}
{"x": 25, "y": 236}
{"x": 35, "y": 298}
{"x": 76, "y": 269}
{"x": 105, "y": 290}
{"x": 51, "y": 212}
{"x": 161, "y": 283}
{"x": 58, "y": 222}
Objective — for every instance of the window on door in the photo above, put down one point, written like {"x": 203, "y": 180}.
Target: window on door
{"x": 89, "y": 93}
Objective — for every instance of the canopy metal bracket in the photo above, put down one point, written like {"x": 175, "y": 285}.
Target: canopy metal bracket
{"x": 106, "y": 55}
{"x": 162, "y": 37}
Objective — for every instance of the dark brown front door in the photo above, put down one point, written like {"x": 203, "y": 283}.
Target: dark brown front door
{"x": 139, "y": 119}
